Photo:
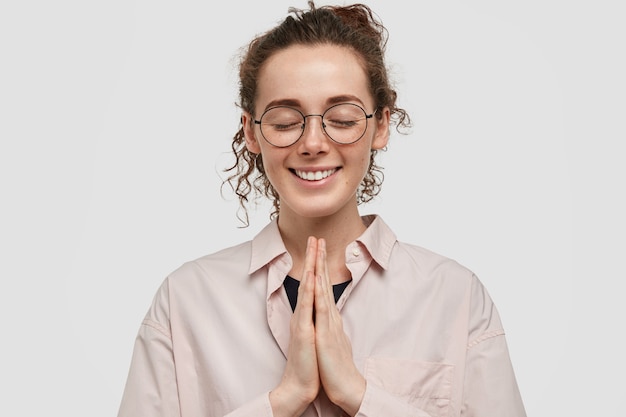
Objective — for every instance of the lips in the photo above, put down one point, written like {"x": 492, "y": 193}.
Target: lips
{"x": 314, "y": 175}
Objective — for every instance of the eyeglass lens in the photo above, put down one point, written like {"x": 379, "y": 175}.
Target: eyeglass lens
{"x": 344, "y": 123}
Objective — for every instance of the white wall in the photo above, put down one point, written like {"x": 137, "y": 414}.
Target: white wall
{"x": 116, "y": 116}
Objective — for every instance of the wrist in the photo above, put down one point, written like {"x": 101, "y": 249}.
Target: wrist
{"x": 351, "y": 400}
{"x": 286, "y": 402}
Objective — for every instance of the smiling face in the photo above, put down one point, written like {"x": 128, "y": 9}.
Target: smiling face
{"x": 315, "y": 177}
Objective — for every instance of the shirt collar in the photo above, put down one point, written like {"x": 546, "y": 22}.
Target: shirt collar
{"x": 378, "y": 239}
{"x": 266, "y": 246}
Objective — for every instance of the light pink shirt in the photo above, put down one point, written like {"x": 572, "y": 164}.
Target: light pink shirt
{"x": 424, "y": 333}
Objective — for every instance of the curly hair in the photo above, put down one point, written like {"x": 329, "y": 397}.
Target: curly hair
{"x": 354, "y": 27}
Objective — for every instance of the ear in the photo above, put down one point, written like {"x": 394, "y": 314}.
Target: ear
{"x": 381, "y": 137}
{"x": 249, "y": 133}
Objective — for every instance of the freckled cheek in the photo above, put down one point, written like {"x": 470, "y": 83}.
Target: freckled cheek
{"x": 272, "y": 174}
{"x": 365, "y": 162}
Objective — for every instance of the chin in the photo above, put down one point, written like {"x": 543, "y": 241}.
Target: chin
{"x": 310, "y": 210}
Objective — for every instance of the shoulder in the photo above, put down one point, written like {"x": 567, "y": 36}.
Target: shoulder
{"x": 451, "y": 281}
{"x": 428, "y": 262}
{"x": 200, "y": 282}
{"x": 228, "y": 262}
{"x": 400, "y": 258}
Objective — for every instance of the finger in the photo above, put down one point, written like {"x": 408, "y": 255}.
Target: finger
{"x": 322, "y": 268}
{"x": 322, "y": 264}
{"x": 322, "y": 285}
{"x": 306, "y": 291}
{"x": 309, "y": 265}
{"x": 306, "y": 295}
{"x": 310, "y": 254}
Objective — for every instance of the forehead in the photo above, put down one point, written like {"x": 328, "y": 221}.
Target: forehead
{"x": 312, "y": 75}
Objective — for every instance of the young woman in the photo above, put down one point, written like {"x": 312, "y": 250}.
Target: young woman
{"x": 324, "y": 312}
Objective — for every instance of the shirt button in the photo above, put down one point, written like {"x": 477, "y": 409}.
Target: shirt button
{"x": 356, "y": 252}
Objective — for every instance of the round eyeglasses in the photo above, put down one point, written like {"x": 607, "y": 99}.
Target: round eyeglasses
{"x": 283, "y": 126}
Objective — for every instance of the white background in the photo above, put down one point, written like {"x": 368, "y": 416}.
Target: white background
{"x": 116, "y": 118}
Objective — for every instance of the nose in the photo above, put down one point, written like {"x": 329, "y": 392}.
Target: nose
{"x": 314, "y": 139}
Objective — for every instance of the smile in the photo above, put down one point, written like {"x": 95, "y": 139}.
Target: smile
{"x": 314, "y": 175}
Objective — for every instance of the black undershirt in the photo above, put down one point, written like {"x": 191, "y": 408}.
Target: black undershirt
{"x": 291, "y": 288}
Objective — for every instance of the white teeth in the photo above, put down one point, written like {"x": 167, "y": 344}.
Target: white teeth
{"x": 314, "y": 175}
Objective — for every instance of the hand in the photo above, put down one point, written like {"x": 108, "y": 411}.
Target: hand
{"x": 300, "y": 383}
{"x": 343, "y": 383}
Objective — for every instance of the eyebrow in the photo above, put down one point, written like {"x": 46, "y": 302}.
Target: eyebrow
{"x": 330, "y": 101}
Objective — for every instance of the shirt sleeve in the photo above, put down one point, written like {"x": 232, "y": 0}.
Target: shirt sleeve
{"x": 490, "y": 388}
{"x": 152, "y": 388}
{"x": 259, "y": 407}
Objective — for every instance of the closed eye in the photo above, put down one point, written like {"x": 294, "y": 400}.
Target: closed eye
{"x": 286, "y": 126}
{"x": 342, "y": 123}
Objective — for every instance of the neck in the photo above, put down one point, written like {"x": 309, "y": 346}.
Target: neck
{"x": 338, "y": 231}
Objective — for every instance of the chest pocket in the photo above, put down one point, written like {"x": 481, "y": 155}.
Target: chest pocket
{"x": 424, "y": 385}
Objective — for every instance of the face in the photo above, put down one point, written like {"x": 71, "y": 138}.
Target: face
{"x": 315, "y": 177}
